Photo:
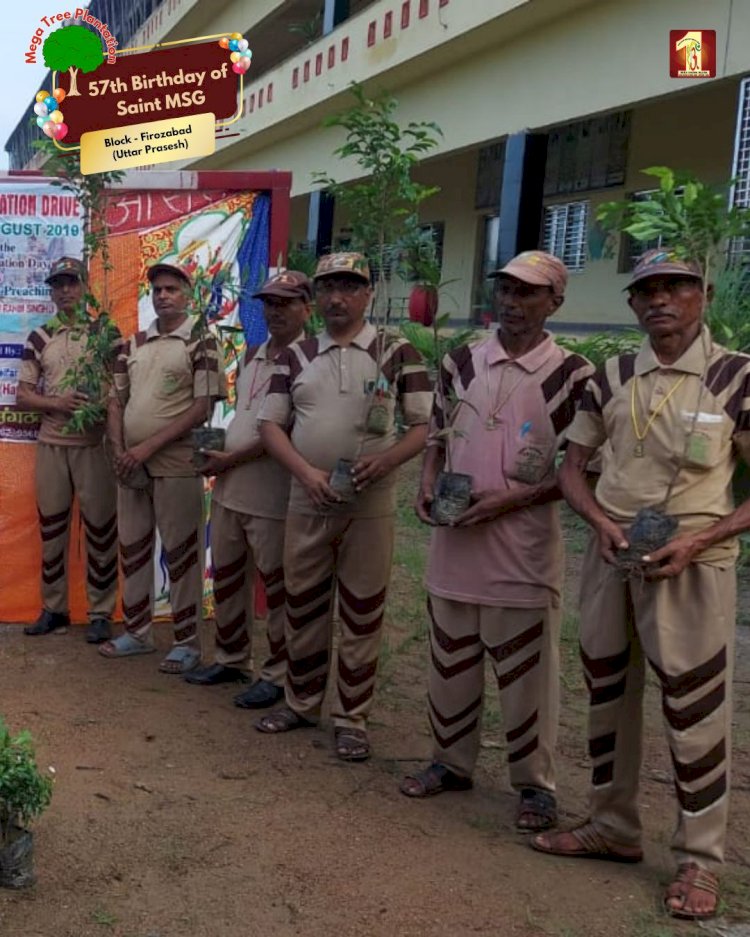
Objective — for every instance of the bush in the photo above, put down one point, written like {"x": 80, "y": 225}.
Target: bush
{"x": 24, "y": 791}
{"x": 603, "y": 345}
{"x": 434, "y": 344}
{"x": 728, "y": 315}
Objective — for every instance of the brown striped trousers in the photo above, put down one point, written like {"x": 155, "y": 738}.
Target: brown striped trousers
{"x": 240, "y": 544}
{"x": 83, "y": 471}
{"x": 175, "y": 507}
{"x": 522, "y": 644}
{"x": 320, "y": 552}
{"x": 684, "y": 627}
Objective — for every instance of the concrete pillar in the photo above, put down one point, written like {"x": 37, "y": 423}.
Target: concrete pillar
{"x": 321, "y": 209}
{"x": 521, "y": 195}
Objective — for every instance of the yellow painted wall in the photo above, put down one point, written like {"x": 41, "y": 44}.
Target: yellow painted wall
{"x": 521, "y": 65}
{"x": 692, "y": 131}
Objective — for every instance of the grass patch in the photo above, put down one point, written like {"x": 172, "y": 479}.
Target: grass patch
{"x": 103, "y": 917}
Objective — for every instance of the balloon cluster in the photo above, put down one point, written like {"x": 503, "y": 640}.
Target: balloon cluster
{"x": 240, "y": 54}
{"x": 48, "y": 115}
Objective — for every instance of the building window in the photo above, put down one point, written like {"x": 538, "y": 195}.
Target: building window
{"x": 489, "y": 177}
{"x": 740, "y": 196}
{"x": 589, "y": 154}
{"x": 565, "y": 231}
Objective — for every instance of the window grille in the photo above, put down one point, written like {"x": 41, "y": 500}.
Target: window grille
{"x": 739, "y": 250}
{"x": 565, "y": 232}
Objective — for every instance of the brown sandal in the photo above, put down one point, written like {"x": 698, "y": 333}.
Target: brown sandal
{"x": 282, "y": 719}
{"x": 691, "y": 878}
{"x": 434, "y": 779}
{"x": 351, "y": 744}
{"x": 537, "y": 811}
{"x": 585, "y": 842}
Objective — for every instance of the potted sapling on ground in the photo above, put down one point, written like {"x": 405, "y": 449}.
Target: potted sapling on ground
{"x": 25, "y": 793}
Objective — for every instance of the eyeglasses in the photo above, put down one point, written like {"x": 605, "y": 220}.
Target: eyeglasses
{"x": 347, "y": 287}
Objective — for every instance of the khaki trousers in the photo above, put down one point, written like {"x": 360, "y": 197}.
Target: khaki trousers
{"x": 356, "y": 554}
{"x": 523, "y": 645}
{"x": 175, "y": 507}
{"x": 83, "y": 471}
{"x": 240, "y": 543}
{"x": 684, "y": 627}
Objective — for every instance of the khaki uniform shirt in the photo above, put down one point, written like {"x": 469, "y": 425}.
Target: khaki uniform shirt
{"x": 508, "y": 433}
{"x": 157, "y": 378}
{"x": 260, "y": 487}
{"x": 321, "y": 390}
{"x": 50, "y": 351}
{"x": 695, "y": 438}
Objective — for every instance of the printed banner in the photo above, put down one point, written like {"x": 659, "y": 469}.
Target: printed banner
{"x": 224, "y": 235}
{"x": 40, "y": 222}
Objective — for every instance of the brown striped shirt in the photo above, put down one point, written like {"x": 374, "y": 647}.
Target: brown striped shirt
{"x": 699, "y": 433}
{"x": 157, "y": 378}
{"x": 259, "y": 487}
{"x": 320, "y": 389}
{"x": 50, "y": 351}
{"x": 507, "y": 434}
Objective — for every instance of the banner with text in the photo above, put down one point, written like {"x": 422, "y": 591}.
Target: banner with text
{"x": 38, "y": 224}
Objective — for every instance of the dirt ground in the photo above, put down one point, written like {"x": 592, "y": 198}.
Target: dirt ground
{"x": 172, "y": 817}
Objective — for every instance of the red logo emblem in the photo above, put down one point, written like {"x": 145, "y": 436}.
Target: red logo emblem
{"x": 692, "y": 53}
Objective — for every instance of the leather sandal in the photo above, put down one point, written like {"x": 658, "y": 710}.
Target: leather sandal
{"x": 282, "y": 719}
{"x": 351, "y": 744}
{"x": 585, "y": 842}
{"x": 537, "y": 810}
{"x": 691, "y": 878}
{"x": 261, "y": 694}
{"x": 434, "y": 779}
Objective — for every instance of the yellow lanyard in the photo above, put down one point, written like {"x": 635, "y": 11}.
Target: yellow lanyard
{"x": 638, "y": 451}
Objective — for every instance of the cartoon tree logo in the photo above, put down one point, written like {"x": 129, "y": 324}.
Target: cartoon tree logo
{"x": 71, "y": 48}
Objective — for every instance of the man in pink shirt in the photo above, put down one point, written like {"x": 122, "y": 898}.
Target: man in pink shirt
{"x": 494, "y": 577}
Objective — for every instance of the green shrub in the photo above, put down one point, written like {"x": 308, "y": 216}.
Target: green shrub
{"x": 434, "y": 344}
{"x": 600, "y": 346}
{"x": 728, "y": 315}
{"x": 24, "y": 791}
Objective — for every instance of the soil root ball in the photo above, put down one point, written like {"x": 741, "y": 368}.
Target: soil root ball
{"x": 651, "y": 530}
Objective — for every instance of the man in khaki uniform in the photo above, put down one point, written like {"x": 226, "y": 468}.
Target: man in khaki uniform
{"x": 676, "y": 417}
{"x": 338, "y": 393}
{"x": 248, "y": 508}
{"x": 68, "y": 464}
{"x": 166, "y": 380}
{"x": 494, "y": 580}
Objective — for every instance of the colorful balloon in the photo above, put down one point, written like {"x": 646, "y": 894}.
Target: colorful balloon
{"x": 51, "y": 103}
{"x": 61, "y": 130}
{"x": 242, "y": 45}
{"x": 41, "y": 121}
{"x": 49, "y": 128}
{"x": 234, "y": 45}
{"x": 41, "y": 109}
{"x": 56, "y": 116}
{"x": 59, "y": 95}
{"x": 246, "y": 61}
{"x": 235, "y": 56}
{"x": 238, "y": 69}
{"x": 41, "y": 95}
{"x": 224, "y": 43}
{"x": 236, "y": 36}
